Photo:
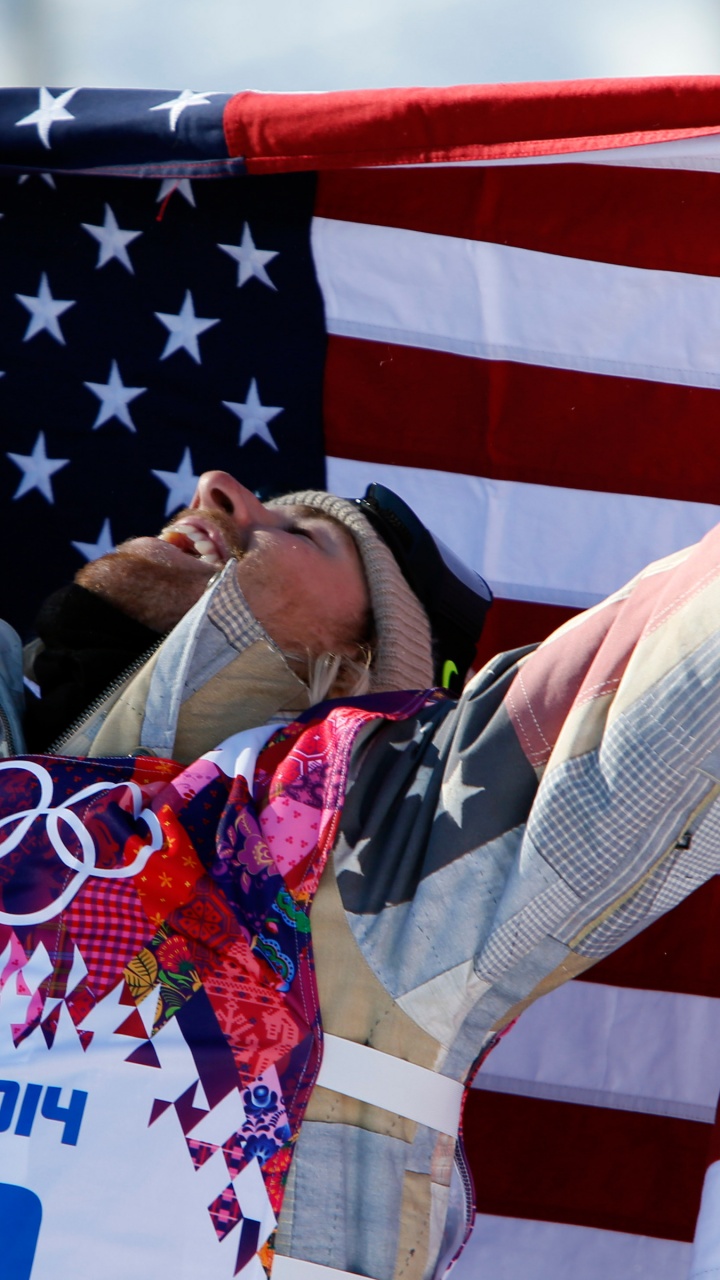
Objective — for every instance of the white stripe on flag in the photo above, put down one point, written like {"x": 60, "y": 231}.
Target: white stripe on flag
{"x": 650, "y": 1051}
{"x": 503, "y": 303}
{"x": 535, "y": 542}
{"x": 706, "y": 1249}
{"x": 506, "y": 1248}
{"x": 699, "y": 154}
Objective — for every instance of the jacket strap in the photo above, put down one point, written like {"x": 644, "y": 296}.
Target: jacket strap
{"x": 406, "y": 1089}
{"x": 284, "y": 1268}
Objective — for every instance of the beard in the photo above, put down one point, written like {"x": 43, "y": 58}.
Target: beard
{"x": 152, "y": 582}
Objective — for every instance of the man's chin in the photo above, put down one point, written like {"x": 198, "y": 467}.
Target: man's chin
{"x": 147, "y": 582}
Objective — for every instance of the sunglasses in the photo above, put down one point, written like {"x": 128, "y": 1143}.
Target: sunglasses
{"x": 455, "y": 598}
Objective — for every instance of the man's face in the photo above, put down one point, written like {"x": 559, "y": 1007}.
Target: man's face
{"x": 299, "y": 571}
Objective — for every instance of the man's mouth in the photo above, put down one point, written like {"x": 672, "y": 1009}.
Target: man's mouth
{"x": 198, "y": 538}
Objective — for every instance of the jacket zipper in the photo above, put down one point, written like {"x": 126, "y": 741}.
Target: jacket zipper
{"x": 56, "y": 747}
{"x": 6, "y": 733}
{"x": 463, "y": 1169}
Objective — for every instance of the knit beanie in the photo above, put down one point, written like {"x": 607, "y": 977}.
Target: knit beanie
{"x": 402, "y": 655}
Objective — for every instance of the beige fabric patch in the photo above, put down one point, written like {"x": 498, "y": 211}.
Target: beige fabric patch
{"x": 370, "y": 1016}
{"x": 250, "y": 690}
{"x": 414, "y": 1236}
{"x": 119, "y": 732}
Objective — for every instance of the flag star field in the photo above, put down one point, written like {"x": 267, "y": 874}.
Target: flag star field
{"x": 151, "y": 328}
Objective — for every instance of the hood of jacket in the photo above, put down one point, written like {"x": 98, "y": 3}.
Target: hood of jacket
{"x": 217, "y": 672}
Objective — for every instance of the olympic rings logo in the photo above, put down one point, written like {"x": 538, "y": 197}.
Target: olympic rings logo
{"x": 84, "y": 866}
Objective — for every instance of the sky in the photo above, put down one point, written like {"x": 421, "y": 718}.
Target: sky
{"x": 293, "y": 45}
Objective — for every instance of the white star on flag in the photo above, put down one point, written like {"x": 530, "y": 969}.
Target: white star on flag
{"x": 187, "y": 98}
{"x": 180, "y": 484}
{"x": 44, "y": 311}
{"x": 183, "y": 186}
{"x": 103, "y": 546}
{"x": 183, "y": 329}
{"x": 112, "y": 241}
{"x": 454, "y": 794}
{"x": 254, "y": 416}
{"x": 37, "y": 469}
{"x": 50, "y": 111}
{"x": 114, "y": 399}
{"x": 251, "y": 261}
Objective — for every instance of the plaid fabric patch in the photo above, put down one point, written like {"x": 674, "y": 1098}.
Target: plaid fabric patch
{"x": 230, "y": 613}
{"x": 695, "y": 861}
{"x": 524, "y": 931}
{"x": 109, "y": 927}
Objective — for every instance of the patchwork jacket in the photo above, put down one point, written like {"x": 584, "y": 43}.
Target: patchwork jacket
{"x": 487, "y": 851}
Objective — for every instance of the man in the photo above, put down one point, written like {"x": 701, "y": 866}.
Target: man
{"x": 298, "y": 599}
{"x": 269, "y": 607}
{"x": 486, "y": 850}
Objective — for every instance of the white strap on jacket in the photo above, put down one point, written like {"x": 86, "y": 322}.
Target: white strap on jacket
{"x": 294, "y": 1269}
{"x": 361, "y": 1072}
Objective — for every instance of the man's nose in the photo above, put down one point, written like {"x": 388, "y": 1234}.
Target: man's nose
{"x": 219, "y": 491}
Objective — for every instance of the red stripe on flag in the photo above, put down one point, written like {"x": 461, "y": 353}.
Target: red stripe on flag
{"x": 283, "y": 131}
{"x": 591, "y": 1166}
{"x": 510, "y": 624}
{"x": 664, "y": 224}
{"x": 680, "y": 952}
{"x": 508, "y": 421}
{"x": 713, "y": 1154}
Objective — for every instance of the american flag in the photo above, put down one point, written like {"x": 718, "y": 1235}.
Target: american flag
{"x": 502, "y": 303}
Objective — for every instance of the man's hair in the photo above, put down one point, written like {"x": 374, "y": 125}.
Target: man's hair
{"x": 337, "y": 675}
